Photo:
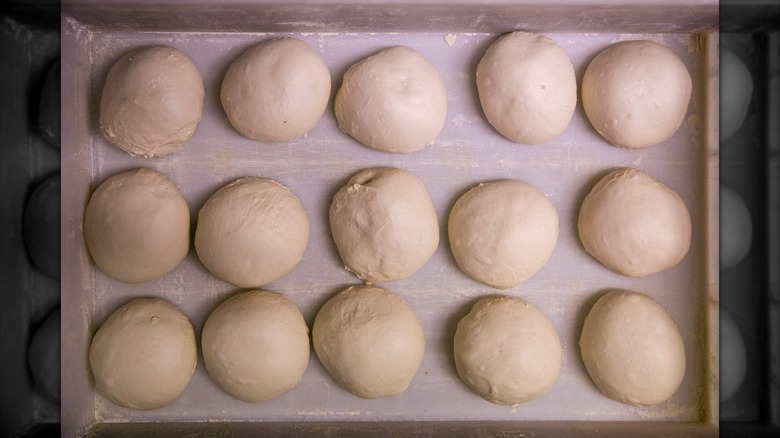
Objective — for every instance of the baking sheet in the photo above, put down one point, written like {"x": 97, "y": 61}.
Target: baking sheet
{"x": 467, "y": 151}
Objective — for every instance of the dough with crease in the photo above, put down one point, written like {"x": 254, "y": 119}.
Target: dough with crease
{"x": 370, "y": 340}
{"x": 144, "y": 354}
{"x": 256, "y": 345}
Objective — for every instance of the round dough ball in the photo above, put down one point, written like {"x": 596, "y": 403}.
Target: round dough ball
{"x": 144, "y": 355}
{"x": 384, "y": 224}
{"x": 632, "y": 349}
{"x": 251, "y": 232}
{"x": 633, "y": 224}
{"x": 736, "y": 90}
{"x": 736, "y": 228}
{"x": 256, "y": 345}
{"x": 369, "y": 340}
{"x": 733, "y": 358}
{"x": 43, "y": 356}
{"x": 49, "y": 106}
{"x": 152, "y": 101}
{"x": 394, "y": 101}
{"x": 501, "y": 233}
{"x": 527, "y": 87}
{"x": 636, "y": 93}
{"x": 41, "y": 226}
{"x": 507, "y": 350}
{"x": 137, "y": 226}
{"x": 276, "y": 91}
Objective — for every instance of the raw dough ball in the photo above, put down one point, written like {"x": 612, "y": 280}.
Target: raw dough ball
{"x": 736, "y": 90}
{"x": 276, "y": 91}
{"x": 137, "y": 226}
{"x": 507, "y": 350}
{"x": 527, "y": 87}
{"x": 384, "y": 224}
{"x": 632, "y": 349}
{"x": 251, "y": 232}
{"x": 633, "y": 224}
{"x": 42, "y": 226}
{"x": 43, "y": 357}
{"x": 256, "y": 345}
{"x": 636, "y": 93}
{"x": 393, "y": 101}
{"x": 733, "y": 359}
{"x": 152, "y": 101}
{"x": 49, "y": 106}
{"x": 144, "y": 355}
{"x": 369, "y": 340}
{"x": 502, "y": 232}
{"x": 736, "y": 228}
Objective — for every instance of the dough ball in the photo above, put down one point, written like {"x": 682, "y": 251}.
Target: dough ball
{"x": 633, "y": 224}
{"x": 144, "y": 355}
{"x": 276, "y": 91}
{"x": 41, "y": 226}
{"x": 49, "y": 106}
{"x": 527, "y": 87}
{"x": 152, "y": 101}
{"x": 393, "y": 101}
{"x": 501, "y": 233}
{"x": 736, "y": 228}
{"x": 251, "y": 232}
{"x": 369, "y": 340}
{"x": 736, "y": 90}
{"x": 43, "y": 356}
{"x": 137, "y": 226}
{"x": 733, "y": 359}
{"x": 256, "y": 345}
{"x": 384, "y": 224}
{"x": 507, "y": 350}
{"x": 632, "y": 349}
{"x": 636, "y": 93}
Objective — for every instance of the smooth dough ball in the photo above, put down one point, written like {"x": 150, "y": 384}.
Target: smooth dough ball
{"x": 384, "y": 224}
{"x": 527, "y": 87}
{"x": 507, "y": 350}
{"x": 736, "y": 228}
{"x": 369, "y": 340}
{"x": 152, "y": 101}
{"x": 502, "y": 232}
{"x": 41, "y": 226}
{"x": 632, "y": 349}
{"x": 276, "y": 91}
{"x": 144, "y": 355}
{"x": 43, "y": 356}
{"x": 736, "y": 90}
{"x": 733, "y": 358}
{"x": 137, "y": 226}
{"x": 251, "y": 232}
{"x": 636, "y": 93}
{"x": 256, "y": 345}
{"x": 49, "y": 106}
{"x": 393, "y": 101}
{"x": 633, "y": 224}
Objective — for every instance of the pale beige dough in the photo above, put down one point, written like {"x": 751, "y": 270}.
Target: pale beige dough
{"x": 144, "y": 354}
{"x": 502, "y": 232}
{"x": 633, "y": 224}
{"x": 527, "y": 87}
{"x": 137, "y": 226}
{"x": 276, "y": 91}
{"x": 393, "y": 101}
{"x": 384, "y": 224}
{"x": 251, "y": 232}
{"x": 370, "y": 340}
{"x": 636, "y": 93}
{"x": 507, "y": 350}
{"x": 256, "y": 345}
{"x": 152, "y": 101}
{"x": 632, "y": 349}
{"x": 735, "y": 228}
